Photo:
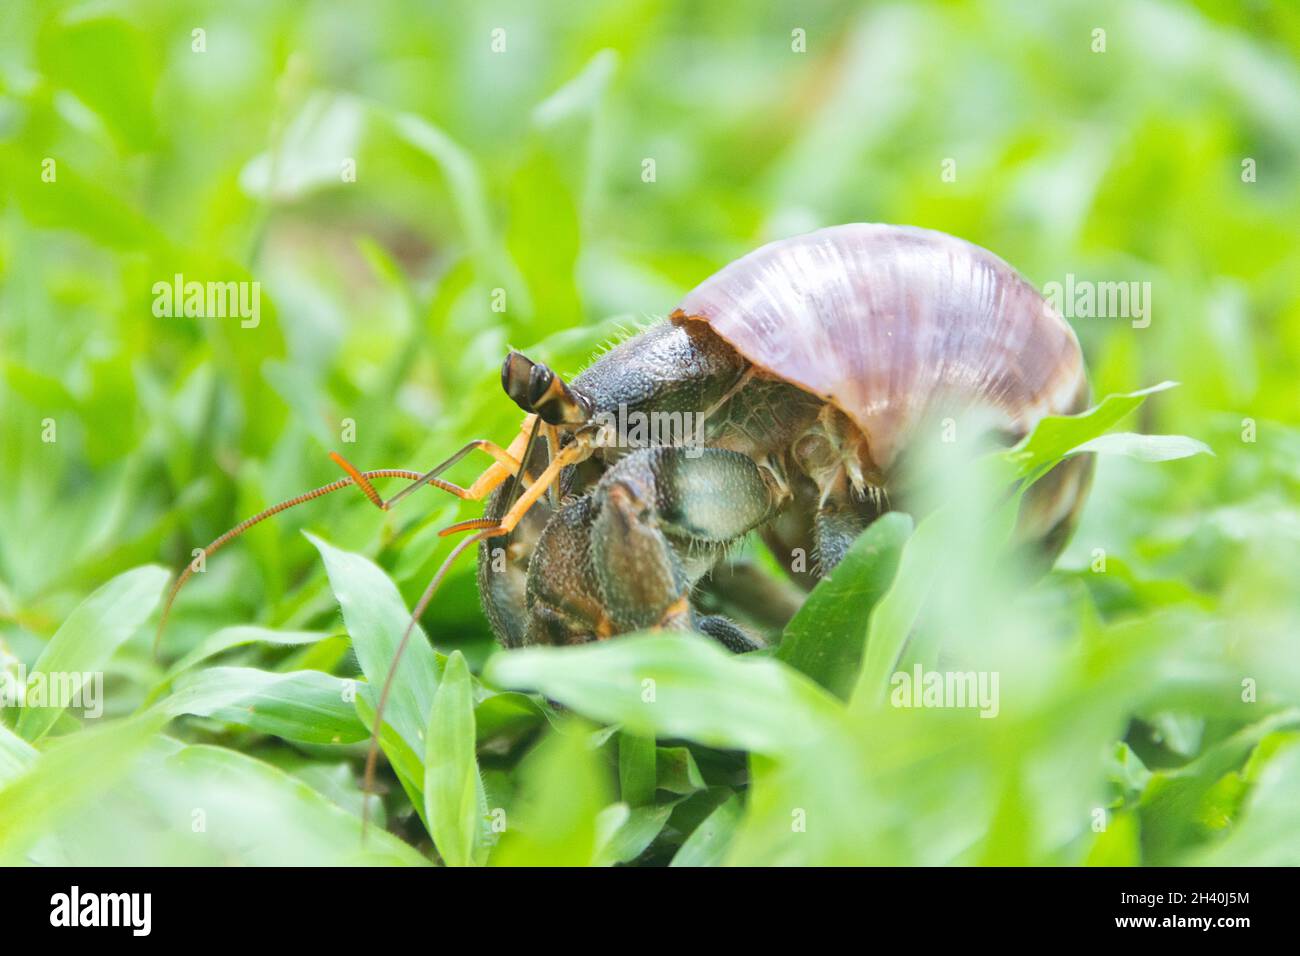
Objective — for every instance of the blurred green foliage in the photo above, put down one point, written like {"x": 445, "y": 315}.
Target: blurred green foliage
{"x": 133, "y": 149}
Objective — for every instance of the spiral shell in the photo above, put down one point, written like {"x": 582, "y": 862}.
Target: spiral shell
{"x": 893, "y": 323}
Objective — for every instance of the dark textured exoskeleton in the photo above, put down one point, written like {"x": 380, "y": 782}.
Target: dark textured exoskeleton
{"x": 800, "y": 373}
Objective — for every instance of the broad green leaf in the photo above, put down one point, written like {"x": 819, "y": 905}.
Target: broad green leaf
{"x": 677, "y": 772}
{"x": 376, "y": 617}
{"x": 406, "y": 763}
{"x": 341, "y": 784}
{"x": 1056, "y": 436}
{"x": 823, "y": 806}
{"x": 920, "y": 567}
{"x": 553, "y": 820}
{"x": 825, "y": 639}
{"x": 96, "y": 628}
{"x": 1220, "y": 810}
{"x": 69, "y": 775}
{"x": 1268, "y": 833}
{"x": 1120, "y": 588}
{"x": 506, "y": 716}
{"x": 637, "y": 831}
{"x": 454, "y": 803}
{"x": 609, "y": 823}
{"x": 677, "y": 685}
{"x": 637, "y": 774}
{"x": 305, "y": 706}
{"x": 1179, "y": 732}
{"x": 1169, "y": 806}
{"x": 260, "y": 816}
{"x": 80, "y": 203}
{"x": 229, "y": 638}
{"x": 110, "y": 66}
{"x": 707, "y": 846}
{"x": 1145, "y": 447}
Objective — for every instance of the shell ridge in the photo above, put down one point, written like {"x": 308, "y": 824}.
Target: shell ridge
{"x": 891, "y": 322}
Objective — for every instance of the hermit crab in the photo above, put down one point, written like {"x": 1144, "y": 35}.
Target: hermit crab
{"x": 798, "y": 378}
{"x": 803, "y": 372}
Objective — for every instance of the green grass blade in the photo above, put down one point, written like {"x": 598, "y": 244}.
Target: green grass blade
{"x": 406, "y": 763}
{"x": 707, "y": 846}
{"x": 920, "y": 565}
{"x": 1146, "y": 447}
{"x": 677, "y": 772}
{"x": 304, "y": 706}
{"x": 1056, "y": 436}
{"x": 677, "y": 685}
{"x": 637, "y": 773}
{"x": 376, "y": 616}
{"x": 66, "y": 777}
{"x": 636, "y": 832}
{"x": 825, "y": 638}
{"x": 555, "y": 818}
{"x": 242, "y": 635}
{"x": 261, "y": 816}
{"x": 95, "y": 629}
{"x": 1268, "y": 833}
{"x": 454, "y": 803}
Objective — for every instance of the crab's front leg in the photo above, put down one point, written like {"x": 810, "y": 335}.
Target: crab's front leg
{"x": 626, "y": 557}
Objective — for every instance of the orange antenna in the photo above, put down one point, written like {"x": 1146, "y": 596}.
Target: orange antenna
{"x": 247, "y": 523}
{"x": 361, "y": 481}
{"x": 505, "y": 466}
{"x": 472, "y": 524}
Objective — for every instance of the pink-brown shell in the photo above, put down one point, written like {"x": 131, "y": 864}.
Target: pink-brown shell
{"x": 891, "y": 323}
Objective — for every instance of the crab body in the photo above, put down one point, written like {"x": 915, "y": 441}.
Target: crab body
{"x": 795, "y": 382}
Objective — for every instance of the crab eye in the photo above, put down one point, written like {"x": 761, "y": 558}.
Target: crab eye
{"x": 539, "y": 383}
{"x": 516, "y": 375}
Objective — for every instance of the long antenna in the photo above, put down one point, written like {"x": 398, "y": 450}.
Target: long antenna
{"x": 247, "y": 523}
{"x": 362, "y": 480}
